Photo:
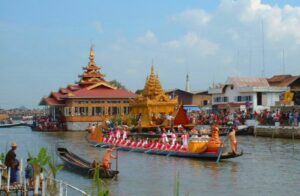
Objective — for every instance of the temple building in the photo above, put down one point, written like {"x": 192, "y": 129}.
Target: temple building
{"x": 153, "y": 106}
{"x": 91, "y": 100}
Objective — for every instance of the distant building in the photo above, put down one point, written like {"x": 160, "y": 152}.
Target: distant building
{"x": 292, "y": 82}
{"x": 201, "y": 98}
{"x": 245, "y": 93}
{"x": 184, "y": 97}
{"x": 91, "y": 100}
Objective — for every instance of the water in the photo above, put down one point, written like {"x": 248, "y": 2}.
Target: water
{"x": 268, "y": 166}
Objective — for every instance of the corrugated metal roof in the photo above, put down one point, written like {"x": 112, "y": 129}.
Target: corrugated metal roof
{"x": 248, "y": 82}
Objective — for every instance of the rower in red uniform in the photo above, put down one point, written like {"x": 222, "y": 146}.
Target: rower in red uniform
{"x": 173, "y": 137}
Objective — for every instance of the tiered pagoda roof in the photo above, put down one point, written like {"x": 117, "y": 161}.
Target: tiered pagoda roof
{"x": 91, "y": 85}
{"x": 91, "y": 74}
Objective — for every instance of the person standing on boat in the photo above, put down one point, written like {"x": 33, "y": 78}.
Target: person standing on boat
{"x": 184, "y": 138}
{"x": 12, "y": 162}
{"x": 164, "y": 138}
{"x": 173, "y": 137}
{"x": 124, "y": 134}
{"x": 233, "y": 140}
{"x": 106, "y": 160}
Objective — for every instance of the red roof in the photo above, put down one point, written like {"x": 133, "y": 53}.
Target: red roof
{"x": 282, "y": 80}
{"x": 101, "y": 92}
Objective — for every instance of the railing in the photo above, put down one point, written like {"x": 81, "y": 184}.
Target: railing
{"x": 60, "y": 187}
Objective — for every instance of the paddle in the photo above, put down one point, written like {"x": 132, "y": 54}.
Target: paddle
{"x": 117, "y": 158}
{"x": 221, "y": 148}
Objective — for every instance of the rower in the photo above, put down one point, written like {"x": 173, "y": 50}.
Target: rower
{"x": 164, "y": 137}
{"x": 173, "y": 137}
{"x": 233, "y": 140}
{"x": 108, "y": 156}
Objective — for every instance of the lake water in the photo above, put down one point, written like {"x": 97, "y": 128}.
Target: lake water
{"x": 268, "y": 166}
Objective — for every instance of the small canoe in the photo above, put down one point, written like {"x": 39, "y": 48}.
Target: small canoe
{"x": 80, "y": 165}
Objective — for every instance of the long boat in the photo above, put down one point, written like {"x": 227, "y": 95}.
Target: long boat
{"x": 13, "y": 125}
{"x": 81, "y": 165}
{"x": 204, "y": 155}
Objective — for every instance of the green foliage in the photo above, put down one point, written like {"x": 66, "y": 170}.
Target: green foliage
{"x": 117, "y": 84}
{"x": 176, "y": 185}
{"x": 2, "y": 157}
{"x": 45, "y": 162}
{"x": 139, "y": 91}
{"x": 98, "y": 184}
{"x": 117, "y": 120}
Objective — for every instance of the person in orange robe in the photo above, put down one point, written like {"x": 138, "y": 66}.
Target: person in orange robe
{"x": 108, "y": 156}
{"x": 233, "y": 140}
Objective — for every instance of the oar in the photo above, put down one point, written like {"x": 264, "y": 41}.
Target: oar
{"x": 117, "y": 158}
{"x": 221, "y": 148}
{"x": 147, "y": 151}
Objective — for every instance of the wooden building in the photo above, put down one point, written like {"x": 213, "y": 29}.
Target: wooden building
{"x": 91, "y": 100}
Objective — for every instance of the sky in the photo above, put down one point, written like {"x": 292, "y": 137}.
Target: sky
{"x": 45, "y": 44}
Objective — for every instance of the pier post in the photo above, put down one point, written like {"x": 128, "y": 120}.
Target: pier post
{"x": 8, "y": 179}
{"x": 0, "y": 177}
{"x": 36, "y": 186}
{"x": 20, "y": 171}
{"x": 43, "y": 187}
{"x": 25, "y": 187}
{"x": 60, "y": 188}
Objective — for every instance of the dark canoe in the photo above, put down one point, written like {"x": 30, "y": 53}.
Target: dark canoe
{"x": 13, "y": 125}
{"x": 80, "y": 165}
{"x": 207, "y": 155}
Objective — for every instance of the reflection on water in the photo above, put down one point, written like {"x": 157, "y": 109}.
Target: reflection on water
{"x": 268, "y": 166}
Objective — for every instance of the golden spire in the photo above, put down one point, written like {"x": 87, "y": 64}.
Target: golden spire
{"x": 92, "y": 54}
{"x": 158, "y": 88}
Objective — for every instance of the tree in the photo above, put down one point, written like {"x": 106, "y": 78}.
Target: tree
{"x": 117, "y": 84}
{"x": 139, "y": 91}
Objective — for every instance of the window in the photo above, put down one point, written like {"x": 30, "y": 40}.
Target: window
{"x": 243, "y": 98}
{"x": 205, "y": 102}
{"x": 97, "y": 101}
{"x": 220, "y": 99}
{"x": 96, "y": 111}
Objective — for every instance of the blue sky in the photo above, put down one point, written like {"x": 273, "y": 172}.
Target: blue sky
{"x": 45, "y": 44}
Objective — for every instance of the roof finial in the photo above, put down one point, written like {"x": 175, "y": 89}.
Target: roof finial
{"x": 92, "y": 53}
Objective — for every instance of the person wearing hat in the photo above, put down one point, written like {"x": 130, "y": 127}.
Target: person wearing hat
{"x": 12, "y": 162}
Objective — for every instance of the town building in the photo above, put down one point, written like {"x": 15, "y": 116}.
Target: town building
{"x": 292, "y": 82}
{"x": 92, "y": 99}
{"x": 245, "y": 93}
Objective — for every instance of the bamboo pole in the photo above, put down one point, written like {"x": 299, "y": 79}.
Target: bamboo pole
{"x": 25, "y": 187}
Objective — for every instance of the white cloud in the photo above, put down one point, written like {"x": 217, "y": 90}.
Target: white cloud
{"x": 192, "y": 16}
{"x": 148, "y": 39}
{"x": 214, "y": 45}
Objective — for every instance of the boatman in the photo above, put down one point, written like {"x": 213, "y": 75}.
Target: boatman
{"x": 173, "y": 137}
{"x": 108, "y": 156}
{"x": 233, "y": 140}
{"x": 12, "y": 162}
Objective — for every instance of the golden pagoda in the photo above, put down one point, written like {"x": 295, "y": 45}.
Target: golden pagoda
{"x": 152, "y": 106}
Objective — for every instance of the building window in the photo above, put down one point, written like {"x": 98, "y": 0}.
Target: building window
{"x": 243, "y": 98}
{"x": 113, "y": 101}
{"x": 98, "y": 102}
{"x": 220, "y": 99}
{"x": 81, "y": 102}
{"x": 205, "y": 102}
{"x": 97, "y": 111}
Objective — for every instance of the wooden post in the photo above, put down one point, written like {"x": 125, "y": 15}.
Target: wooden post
{"x": 255, "y": 133}
{"x": 25, "y": 187}
{"x": 43, "y": 187}
{"x": 8, "y": 179}
{"x": 20, "y": 171}
{"x": 36, "y": 185}
{"x": 0, "y": 177}
{"x": 60, "y": 188}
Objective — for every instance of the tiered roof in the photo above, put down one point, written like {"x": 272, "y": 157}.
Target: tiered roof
{"x": 152, "y": 86}
{"x": 92, "y": 74}
{"x": 91, "y": 85}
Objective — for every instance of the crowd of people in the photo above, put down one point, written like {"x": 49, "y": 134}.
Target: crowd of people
{"x": 289, "y": 118}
